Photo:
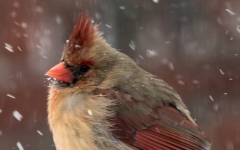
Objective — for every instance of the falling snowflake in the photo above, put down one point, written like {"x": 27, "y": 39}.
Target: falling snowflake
{"x": 11, "y": 96}
{"x": 17, "y": 115}
{"x": 211, "y": 98}
{"x": 151, "y": 53}
{"x": 19, "y": 145}
{"x": 9, "y": 48}
{"x": 89, "y": 112}
{"x": 39, "y": 132}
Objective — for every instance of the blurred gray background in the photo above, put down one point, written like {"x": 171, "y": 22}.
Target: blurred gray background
{"x": 191, "y": 44}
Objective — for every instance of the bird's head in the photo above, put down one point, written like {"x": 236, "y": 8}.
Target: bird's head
{"x": 87, "y": 58}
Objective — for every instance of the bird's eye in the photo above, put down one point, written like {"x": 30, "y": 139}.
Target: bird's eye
{"x": 84, "y": 68}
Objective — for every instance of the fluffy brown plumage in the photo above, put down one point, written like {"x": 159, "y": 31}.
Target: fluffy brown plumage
{"x": 102, "y": 100}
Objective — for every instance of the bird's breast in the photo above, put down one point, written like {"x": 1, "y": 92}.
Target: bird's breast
{"x": 80, "y": 121}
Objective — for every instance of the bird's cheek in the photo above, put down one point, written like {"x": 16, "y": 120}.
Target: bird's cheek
{"x": 61, "y": 73}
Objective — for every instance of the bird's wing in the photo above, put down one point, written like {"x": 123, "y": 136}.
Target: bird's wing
{"x": 159, "y": 128}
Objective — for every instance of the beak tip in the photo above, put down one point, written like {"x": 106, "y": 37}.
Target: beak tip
{"x": 48, "y": 73}
{"x": 60, "y": 73}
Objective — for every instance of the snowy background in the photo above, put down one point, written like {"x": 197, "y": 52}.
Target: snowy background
{"x": 191, "y": 44}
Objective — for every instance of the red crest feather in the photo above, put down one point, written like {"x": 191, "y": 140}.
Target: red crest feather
{"x": 83, "y": 34}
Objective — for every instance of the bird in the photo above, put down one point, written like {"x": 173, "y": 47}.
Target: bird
{"x": 100, "y": 99}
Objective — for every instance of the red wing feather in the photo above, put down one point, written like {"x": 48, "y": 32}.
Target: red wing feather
{"x": 164, "y": 128}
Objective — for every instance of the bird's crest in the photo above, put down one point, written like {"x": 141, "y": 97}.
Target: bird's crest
{"x": 83, "y": 33}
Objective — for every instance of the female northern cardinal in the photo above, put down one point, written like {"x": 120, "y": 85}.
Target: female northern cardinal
{"x": 102, "y": 100}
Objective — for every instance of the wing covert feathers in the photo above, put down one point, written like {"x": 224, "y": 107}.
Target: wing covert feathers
{"x": 161, "y": 128}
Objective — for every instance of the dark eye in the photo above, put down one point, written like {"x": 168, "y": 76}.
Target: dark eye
{"x": 84, "y": 68}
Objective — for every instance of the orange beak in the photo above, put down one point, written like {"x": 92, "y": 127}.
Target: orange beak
{"x": 61, "y": 73}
